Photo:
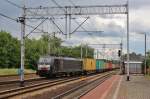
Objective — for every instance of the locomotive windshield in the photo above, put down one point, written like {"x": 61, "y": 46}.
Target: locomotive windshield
{"x": 45, "y": 60}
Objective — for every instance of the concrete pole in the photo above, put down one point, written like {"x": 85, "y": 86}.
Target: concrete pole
{"x": 22, "y": 20}
{"x": 128, "y": 57}
{"x": 97, "y": 53}
{"x": 49, "y": 44}
{"x": 86, "y": 52}
{"x": 66, "y": 24}
{"x": 69, "y": 26}
{"x": 121, "y": 57}
{"x": 145, "y": 56}
{"x": 81, "y": 52}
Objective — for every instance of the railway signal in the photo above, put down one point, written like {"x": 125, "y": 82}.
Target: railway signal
{"x": 119, "y": 53}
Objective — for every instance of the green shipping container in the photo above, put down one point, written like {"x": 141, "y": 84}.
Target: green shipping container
{"x": 102, "y": 64}
{"x": 99, "y": 64}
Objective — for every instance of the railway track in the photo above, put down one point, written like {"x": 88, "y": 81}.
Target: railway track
{"x": 34, "y": 87}
{"x": 16, "y": 75}
{"x": 65, "y": 95}
{"x": 18, "y": 81}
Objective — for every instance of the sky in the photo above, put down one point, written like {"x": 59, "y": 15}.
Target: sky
{"x": 113, "y": 26}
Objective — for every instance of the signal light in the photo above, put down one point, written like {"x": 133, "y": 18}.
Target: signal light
{"x": 119, "y": 53}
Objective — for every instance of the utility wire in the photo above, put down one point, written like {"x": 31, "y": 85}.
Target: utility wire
{"x": 16, "y": 20}
{"x": 18, "y": 6}
{"x": 72, "y": 2}
{"x": 56, "y": 3}
{"x": 76, "y": 20}
{"x": 31, "y": 11}
{"x": 36, "y": 27}
{"x": 51, "y": 20}
{"x": 90, "y": 35}
{"x": 79, "y": 24}
{"x": 3, "y": 15}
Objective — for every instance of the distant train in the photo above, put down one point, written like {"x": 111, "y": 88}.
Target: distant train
{"x": 50, "y": 66}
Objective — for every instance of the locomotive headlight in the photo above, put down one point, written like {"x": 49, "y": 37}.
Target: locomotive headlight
{"x": 43, "y": 66}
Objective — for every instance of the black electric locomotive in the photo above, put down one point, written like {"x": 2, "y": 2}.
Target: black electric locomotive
{"x": 51, "y": 66}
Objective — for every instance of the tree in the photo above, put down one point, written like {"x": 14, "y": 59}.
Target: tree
{"x": 32, "y": 53}
{"x": 76, "y": 51}
{"x": 34, "y": 48}
{"x": 134, "y": 57}
{"x": 9, "y": 51}
{"x": 147, "y": 60}
{"x": 44, "y": 46}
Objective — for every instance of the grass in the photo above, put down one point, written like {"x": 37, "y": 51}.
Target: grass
{"x": 14, "y": 71}
{"x": 147, "y": 76}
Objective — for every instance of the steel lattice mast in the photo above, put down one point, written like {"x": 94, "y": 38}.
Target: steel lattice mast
{"x": 77, "y": 10}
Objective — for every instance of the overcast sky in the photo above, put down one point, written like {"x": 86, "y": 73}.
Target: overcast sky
{"x": 114, "y": 27}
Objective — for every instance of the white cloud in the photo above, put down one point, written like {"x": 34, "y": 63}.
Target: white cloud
{"x": 112, "y": 25}
{"x": 139, "y": 20}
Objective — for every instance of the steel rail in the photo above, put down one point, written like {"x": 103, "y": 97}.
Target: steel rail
{"x": 102, "y": 78}
{"x": 35, "y": 87}
{"x": 17, "y": 81}
{"x": 15, "y": 75}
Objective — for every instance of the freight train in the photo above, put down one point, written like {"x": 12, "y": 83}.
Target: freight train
{"x": 50, "y": 66}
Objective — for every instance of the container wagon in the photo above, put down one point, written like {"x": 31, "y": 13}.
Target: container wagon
{"x": 110, "y": 65}
{"x": 107, "y": 65}
{"x": 99, "y": 65}
{"x": 89, "y": 65}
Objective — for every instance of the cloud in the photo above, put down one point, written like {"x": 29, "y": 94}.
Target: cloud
{"x": 139, "y": 20}
{"x": 113, "y": 26}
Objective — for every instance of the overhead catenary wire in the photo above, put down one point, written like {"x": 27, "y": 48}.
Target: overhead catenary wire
{"x": 14, "y": 4}
{"x": 77, "y": 21}
{"x": 52, "y": 0}
{"x": 79, "y": 24}
{"x": 82, "y": 26}
{"x": 18, "y": 6}
{"x": 36, "y": 27}
{"x": 57, "y": 26}
{"x": 72, "y": 2}
{"x": 60, "y": 7}
{"x": 3, "y": 15}
{"x": 16, "y": 20}
{"x": 57, "y": 4}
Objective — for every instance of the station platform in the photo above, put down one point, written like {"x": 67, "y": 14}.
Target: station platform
{"x": 118, "y": 88}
